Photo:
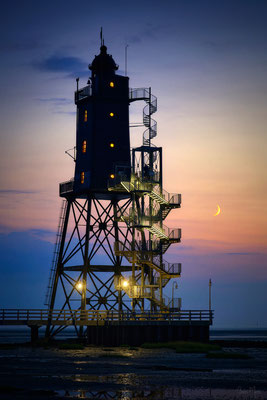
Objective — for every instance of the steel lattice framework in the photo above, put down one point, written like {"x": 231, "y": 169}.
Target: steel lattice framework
{"x": 88, "y": 230}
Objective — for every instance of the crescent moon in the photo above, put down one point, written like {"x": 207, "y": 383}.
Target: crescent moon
{"x": 218, "y": 211}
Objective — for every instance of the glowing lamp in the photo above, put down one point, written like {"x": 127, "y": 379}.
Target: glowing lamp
{"x": 125, "y": 283}
{"x": 111, "y": 84}
{"x": 79, "y": 285}
{"x": 112, "y": 176}
{"x": 111, "y": 145}
{"x": 111, "y": 114}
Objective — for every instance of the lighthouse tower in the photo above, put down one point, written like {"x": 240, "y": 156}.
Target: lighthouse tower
{"x": 112, "y": 236}
{"x": 102, "y": 141}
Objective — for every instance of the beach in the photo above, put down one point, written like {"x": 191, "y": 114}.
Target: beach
{"x": 130, "y": 373}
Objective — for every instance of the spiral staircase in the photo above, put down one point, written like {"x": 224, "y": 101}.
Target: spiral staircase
{"x": 148, "y": 221}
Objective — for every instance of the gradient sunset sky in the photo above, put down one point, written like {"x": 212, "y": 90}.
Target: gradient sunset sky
{"x": 206, "y": 62}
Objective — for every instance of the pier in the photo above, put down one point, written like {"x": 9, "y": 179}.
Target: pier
{"x": 114, "y": 327}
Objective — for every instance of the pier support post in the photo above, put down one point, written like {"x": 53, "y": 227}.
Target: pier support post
{"x": 34, "y": 333}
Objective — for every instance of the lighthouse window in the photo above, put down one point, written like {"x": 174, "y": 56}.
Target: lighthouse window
{"x": 84, "y": 146}
{"x": 111, "y": 114}
{"x": 85, "y": 116}
{"x": 111, "y": 84}
{"x": 82, "y": 177}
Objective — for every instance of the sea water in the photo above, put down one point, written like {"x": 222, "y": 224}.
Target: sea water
{"x": 259, "y": 334}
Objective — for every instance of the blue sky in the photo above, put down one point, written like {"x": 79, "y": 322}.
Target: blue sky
{"x": 206, "y": 61}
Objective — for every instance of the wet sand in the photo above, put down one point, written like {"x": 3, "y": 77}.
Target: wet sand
{"x": 130, "y": 373}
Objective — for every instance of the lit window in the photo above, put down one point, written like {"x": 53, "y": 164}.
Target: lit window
{"x": 111, "y": 84}
{"x": 82, "y": 177}
{"x": 112, "y": 176}
{"x": 85, "y": 116}
{"x": 111, "y": 114}
{"x": 84, "y": 146}
{"x": 112, "y": 145}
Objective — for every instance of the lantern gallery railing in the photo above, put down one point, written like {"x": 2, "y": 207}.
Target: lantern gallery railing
{"x": 134, "y": 94}
{"x": 66, "y": 187}
{"x": 83, "y": 93}
{"x": 94, "y": 317}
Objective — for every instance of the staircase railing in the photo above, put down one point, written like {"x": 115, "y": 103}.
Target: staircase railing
{"x": 150, "y": 123}
{"x": 145, "y": 255}
{"x": 149, "y": 109}
{"x": 147, "y": 246}
{"x": 170, "y": 233}
{"x": 56, "y": 252}
{"x": 163, "y": 302}
{"x": 158, "y": 278}
{"x": 128, "y": 216}
{"x": 171, "y": 198}
{"x": 168, "y": 268}
{"x": 173, "y": 234}
{"x": 132, "y": 185}
{"x": 138, "y": 94}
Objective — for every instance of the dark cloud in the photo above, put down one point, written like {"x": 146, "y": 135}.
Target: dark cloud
{"x": 150, "y": 31}
{"x": 69, "y": 65}
{"x": 56, "y": 101}
{"x": 223, "y": 46}
{"x": 20, "y": 46}
{"x": 58, "y": 104}
{"x": 248, "y": 253}
{"x": 15, "y": 191}
{"x": 42, "y": 234}
{"x": 81, "y": 74}
{"x": 134, "y": 39}
{"x": 185, "y": 248}
{"x": 64, "y": 112}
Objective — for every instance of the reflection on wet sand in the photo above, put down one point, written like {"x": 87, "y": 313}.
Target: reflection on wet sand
{"x": 169, "y": 393}
{"x": 39, "y": 373}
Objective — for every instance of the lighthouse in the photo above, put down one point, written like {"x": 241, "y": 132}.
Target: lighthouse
{"x": 109, "y": 256}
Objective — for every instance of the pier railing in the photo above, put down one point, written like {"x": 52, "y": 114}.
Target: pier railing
{"x": 95, "y": 317}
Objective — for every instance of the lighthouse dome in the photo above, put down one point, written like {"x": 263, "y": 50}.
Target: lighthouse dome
{"x": 103, "y": 63}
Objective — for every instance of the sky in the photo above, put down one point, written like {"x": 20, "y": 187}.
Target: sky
{"x": 206, "y": 61}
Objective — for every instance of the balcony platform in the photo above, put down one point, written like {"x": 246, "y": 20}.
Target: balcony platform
{"x": 67, "y": 191}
